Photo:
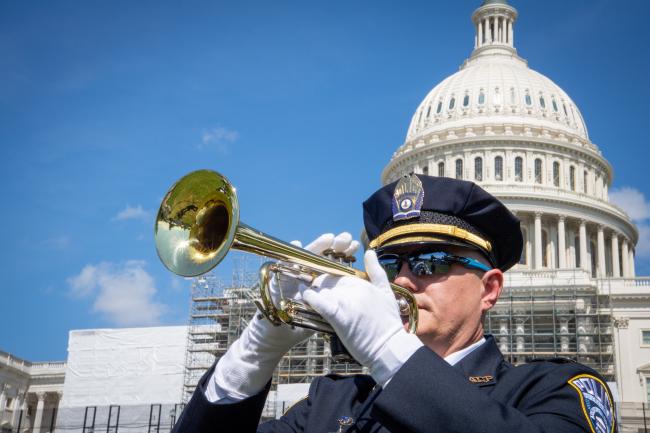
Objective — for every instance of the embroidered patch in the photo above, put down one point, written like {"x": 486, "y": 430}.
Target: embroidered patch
{"x": 596, "y": 402}
{"x": 407, "y": 198}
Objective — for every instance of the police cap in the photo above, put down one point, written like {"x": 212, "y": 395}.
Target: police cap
{"x": 425, "y": 209}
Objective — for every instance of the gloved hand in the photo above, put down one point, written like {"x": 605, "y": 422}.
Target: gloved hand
{"x": 365, "y": 316}
{"x": 288, "y": 286}
{"x": 249, "y": 362}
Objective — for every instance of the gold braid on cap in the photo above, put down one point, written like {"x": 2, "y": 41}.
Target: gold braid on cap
{"x": 424, "y": 229}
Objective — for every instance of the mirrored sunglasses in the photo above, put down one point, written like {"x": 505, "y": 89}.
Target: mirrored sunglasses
{"x": 426, "y": 263}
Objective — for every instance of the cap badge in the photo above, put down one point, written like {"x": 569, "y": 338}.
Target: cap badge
{"x": 407, "y": 198}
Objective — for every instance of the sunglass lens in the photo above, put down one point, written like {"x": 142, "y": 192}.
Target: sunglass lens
{"x": 441, "y": 268}
{"x": 391, "y": 265}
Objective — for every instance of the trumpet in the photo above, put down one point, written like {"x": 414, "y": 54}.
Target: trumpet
{"x": 198, "y": 223}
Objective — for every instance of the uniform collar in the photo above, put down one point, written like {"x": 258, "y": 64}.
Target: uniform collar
{"x": 482, "y": 366}
{"x": 458, "y": 356}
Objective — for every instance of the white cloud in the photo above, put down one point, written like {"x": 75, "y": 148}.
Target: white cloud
{"x": 631, "y": 201}
{"x": 219, "y": 138}
{"x": 123, "y": 293}
{"x": 132, "y": 213}
{"x": 637, "y": 207}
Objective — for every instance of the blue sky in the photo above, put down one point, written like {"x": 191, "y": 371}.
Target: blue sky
{"x": 103, "y": 105}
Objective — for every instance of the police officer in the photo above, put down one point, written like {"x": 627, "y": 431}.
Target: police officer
{"x": 447, "y": 241}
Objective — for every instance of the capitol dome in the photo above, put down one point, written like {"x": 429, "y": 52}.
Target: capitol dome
{"x": 497, "y": 88}
{"x": 520, "y": 136}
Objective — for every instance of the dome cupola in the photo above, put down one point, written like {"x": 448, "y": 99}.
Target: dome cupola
{"x": 494, "y": 26}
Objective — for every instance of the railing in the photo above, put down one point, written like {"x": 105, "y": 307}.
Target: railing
{"x": 624, "y": 286}
{"x": 14, "y": 362}
{"x": 555, "y": 192}
{"x": 548, "y": 277}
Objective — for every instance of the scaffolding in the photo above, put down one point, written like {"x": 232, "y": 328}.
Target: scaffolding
{"x": 218, "y": 315}
{"x": 567, "y": 321}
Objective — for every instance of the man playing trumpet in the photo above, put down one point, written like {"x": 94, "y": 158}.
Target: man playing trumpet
{"x": 448, "y": 242}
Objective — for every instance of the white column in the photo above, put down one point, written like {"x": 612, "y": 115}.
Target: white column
{"x": 584, "y": 260}
{"x": 616, "y": 267}
{"x": 538, "y": 240}
{"x": 38, "y": 418}
{"x": 17, "y": 408}
{"x": 631, "y": 262}
{"x": 490, "y": 32}
{"x": 625, "y": 257}
{"x": 602, "y": 270}
{"x": 561, "y": 243}
{"x": 480, "y": 33}
{"x": 502, "y": 29}
{"x": 512, "y": 34}
{"x": 3, "y": 399}
{"x": 509, "y": 26}
{"x": 553, "y": 247}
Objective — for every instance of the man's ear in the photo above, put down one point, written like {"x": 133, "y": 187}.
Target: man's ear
{"x": 492, "y": 286}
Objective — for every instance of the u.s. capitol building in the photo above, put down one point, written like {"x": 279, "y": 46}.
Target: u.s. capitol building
{"x": 516, "y": 133}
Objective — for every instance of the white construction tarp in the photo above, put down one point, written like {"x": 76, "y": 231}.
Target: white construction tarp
{"x": 130, "y": 366}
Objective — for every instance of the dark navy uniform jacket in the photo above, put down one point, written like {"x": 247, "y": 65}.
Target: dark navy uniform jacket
{"x": 482, "y": 393}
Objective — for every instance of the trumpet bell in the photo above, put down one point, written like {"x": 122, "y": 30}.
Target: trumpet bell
{"x": 196, "y": 223}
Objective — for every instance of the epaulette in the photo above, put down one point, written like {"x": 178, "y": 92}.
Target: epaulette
{"x": 555, "y": 359}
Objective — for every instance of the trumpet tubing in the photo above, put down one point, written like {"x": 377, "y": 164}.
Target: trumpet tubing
{"x": 198, "y": 223}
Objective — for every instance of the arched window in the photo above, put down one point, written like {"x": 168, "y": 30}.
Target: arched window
{"x": 554, "y": 105}
{"x": 481, "y": 98}
{"x": 585, "y": 182}
{"x": 439, "y": 109}
{"x": 538, "y": 170}
{"x": 441, "y": 169}
{"x": 542, "y": 102}
{"x": 425, "y": 170}
{"x": 459, "y": 168}
{"x": 556, "y": 173}
{"x": 513, "y": 98}
{"x": 452, "y": 103}
{"x": 519, "y": 169}
{"x": 466, "y": 100}
{"x": 478, "y": 168}
{"x": 572, "y": 178}
{"x": 498, "y": 168}
{"x": 528, "y": 100}
{"x": 428, "y": 111}
{"x": 565, "y": 112}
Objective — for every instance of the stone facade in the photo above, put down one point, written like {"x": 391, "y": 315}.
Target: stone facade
{"x": 30, "y": 393}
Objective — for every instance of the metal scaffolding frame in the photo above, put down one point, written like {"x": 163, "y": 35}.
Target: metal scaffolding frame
{"x": 549, "y": 322}
{"x": 220, "y": 312}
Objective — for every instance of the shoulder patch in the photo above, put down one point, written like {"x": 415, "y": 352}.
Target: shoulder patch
{"x": 596, "y": 402}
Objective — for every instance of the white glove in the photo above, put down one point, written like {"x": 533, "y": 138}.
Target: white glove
{"x": 249, "y": 362}
{"x": 366, "y": 318}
